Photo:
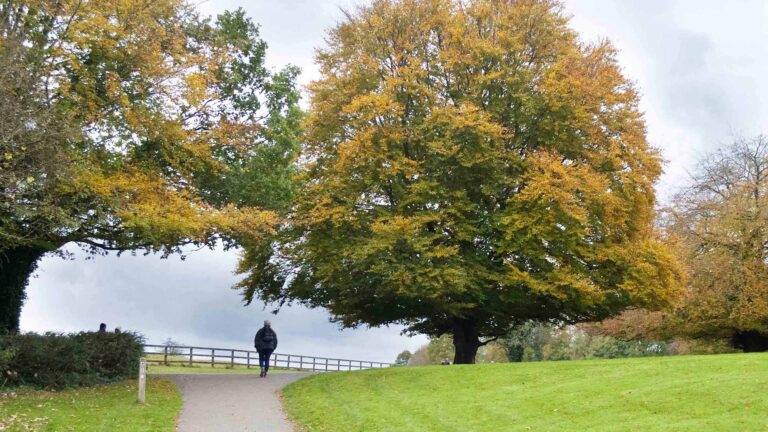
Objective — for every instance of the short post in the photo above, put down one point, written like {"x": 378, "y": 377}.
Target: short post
{"x": 301, "y": 362}
{"x": 248, "y": 361}
{"x": 165, "y": 355}
{"x": 289, "y": 361}
{"x": 326, "y": 365}
{"x": 190, "y": 356}
{"x": 232, "y": 360}
{"x": 314, "y": 361}
{"x": 142, "y": 379}
{"x": 213, "y": 356}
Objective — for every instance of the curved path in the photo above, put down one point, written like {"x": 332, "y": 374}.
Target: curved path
{"x": 236, "y": 402}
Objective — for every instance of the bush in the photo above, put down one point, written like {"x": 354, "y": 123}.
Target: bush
{"x": 56, "y": 361}
{"x": 540, "y": 341}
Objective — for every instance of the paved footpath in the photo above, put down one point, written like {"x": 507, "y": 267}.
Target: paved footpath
{"x": 232, "y": 403}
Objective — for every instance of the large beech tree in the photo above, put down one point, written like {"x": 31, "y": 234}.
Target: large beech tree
{"x": 469, "y": 166}
{"x": 135, "y": 125}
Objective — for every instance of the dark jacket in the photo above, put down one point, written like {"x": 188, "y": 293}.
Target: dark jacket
{"x": 266, "y": 339}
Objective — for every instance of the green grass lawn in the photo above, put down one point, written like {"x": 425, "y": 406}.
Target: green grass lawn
{"x": 686, "y": 393}
{"x": 108, "y": 408}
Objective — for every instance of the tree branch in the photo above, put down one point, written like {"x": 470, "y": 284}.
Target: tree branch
{"x": 493, "y": 339}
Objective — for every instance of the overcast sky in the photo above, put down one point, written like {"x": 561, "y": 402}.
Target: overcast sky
{"x": 701, "y": 67}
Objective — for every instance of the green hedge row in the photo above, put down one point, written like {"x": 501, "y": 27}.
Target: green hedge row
{"x": 57, "y": 361}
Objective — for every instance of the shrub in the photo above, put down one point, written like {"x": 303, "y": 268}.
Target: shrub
{"x": 403, "y": 358}
{"x": 540, "y": 341}
{"x": 56, "y": 361}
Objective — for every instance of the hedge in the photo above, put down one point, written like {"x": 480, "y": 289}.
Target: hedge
{"x": 57, "y": 361}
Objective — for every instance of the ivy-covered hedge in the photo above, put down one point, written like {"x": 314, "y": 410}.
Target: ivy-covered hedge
{"x": 56, "y": 361}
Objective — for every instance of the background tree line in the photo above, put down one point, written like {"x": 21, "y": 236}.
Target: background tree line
{"x": 547, "y": 342}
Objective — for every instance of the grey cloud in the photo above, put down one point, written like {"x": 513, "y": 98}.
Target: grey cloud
{"x": 190, "y": 301}
{"x": 697, "y": 64}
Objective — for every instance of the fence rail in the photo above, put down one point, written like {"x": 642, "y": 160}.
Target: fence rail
{"x": 226, "y": 357}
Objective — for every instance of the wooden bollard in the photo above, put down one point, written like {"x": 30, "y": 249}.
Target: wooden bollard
{"x": 142, "y": 379}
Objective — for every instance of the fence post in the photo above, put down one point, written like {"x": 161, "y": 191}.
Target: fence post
{"x": 314, "y": 362}
{"x": 213, "y": 356}
{"x": 326, "y": 365}
{"x": 248, "y": 362}
{"x": 190, "y": 356}
{"x": 165, "y": 355}
{"x": 289, "y": 362}
{"x": 301, "y": 362}
{"x": 142, "y": 379}
{"x": 232, "y": 360}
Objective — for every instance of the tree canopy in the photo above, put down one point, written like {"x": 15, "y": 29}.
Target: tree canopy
{"x": 468, "y": 166}
{"x": 136, "y": 125}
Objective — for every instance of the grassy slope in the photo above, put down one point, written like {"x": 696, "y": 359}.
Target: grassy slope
{"x": 109, "y": 408}
{"x": 687, "y": 393}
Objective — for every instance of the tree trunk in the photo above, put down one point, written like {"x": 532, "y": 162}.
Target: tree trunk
{"x": 466, "y": 341}
{"x": 750, "y": 341}
{"x": 16, "y": 266}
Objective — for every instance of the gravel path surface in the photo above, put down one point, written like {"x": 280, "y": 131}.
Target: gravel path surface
{"x": 232, "y": 403}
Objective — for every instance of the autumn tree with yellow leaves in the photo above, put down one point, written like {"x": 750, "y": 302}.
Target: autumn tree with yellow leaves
{"x": 135, "y": 124}
{"x": 469, "y": 166}
{"x": 721, "y": 225}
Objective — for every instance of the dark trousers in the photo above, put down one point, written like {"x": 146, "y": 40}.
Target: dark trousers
{"x": 264, "y": 359}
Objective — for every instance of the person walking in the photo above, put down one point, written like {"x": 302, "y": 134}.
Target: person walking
{"x": 265, "y": 343}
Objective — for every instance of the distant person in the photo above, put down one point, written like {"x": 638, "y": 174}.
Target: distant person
{"x": 102, "y": 328}
{"x": 265, "y": 343}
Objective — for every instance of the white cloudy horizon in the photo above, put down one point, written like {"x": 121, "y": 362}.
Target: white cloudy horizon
{"x": 697, "y": 63}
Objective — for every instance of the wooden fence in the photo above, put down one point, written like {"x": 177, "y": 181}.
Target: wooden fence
{"x": 226, "y": 357}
